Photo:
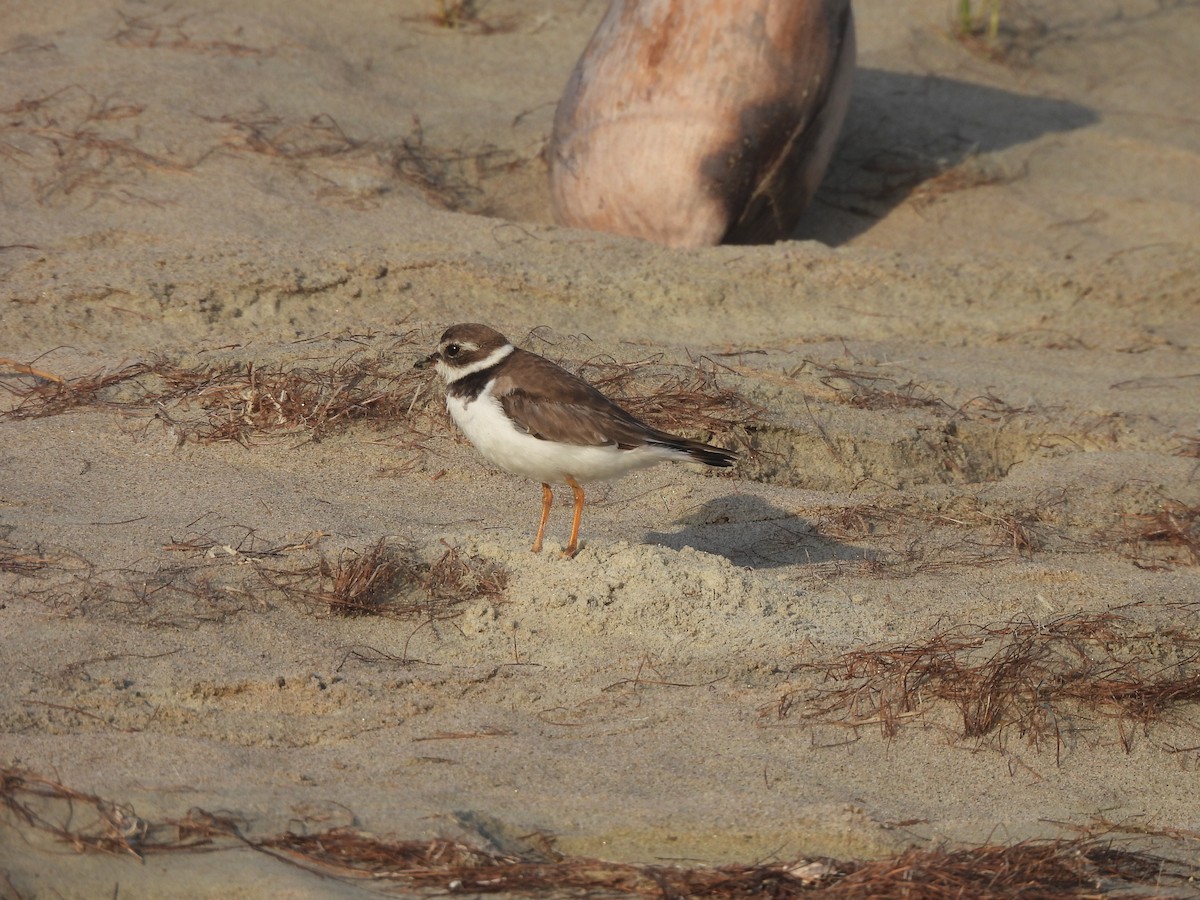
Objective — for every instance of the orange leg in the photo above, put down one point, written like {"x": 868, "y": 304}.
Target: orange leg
{"x": 547, "y": 499}
{"x": 573, "y": 544}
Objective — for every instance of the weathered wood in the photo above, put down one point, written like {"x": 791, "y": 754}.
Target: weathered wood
{"x": 696, "y": 122}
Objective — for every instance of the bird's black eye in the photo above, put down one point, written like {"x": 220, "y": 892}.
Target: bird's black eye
{"x": 452, "y": 350}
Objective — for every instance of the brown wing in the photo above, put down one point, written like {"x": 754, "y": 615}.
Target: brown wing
{"x": 568, "y": 409}
{"x": 553, "y": 404}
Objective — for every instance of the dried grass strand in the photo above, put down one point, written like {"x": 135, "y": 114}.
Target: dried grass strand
{"x": 1031, "y": 677}
{"x": 1053, "y": 869}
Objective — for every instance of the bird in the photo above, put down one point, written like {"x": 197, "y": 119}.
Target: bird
{"x": 533, "y": 418}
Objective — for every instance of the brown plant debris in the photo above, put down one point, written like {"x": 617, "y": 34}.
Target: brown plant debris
{"x": 452, "y": 578}
{"x": 869, "y": 390}
{"x": 449, "y": 178}
{"x": 77, "y": 146}
{"x": 687, "y": 397}
{"x": 903, "y": 537}
{"x": 464, "y": 15}
{"x": 247, "y": 546}
{"x": 360, "y": 583}
{"x": 242, "y": 400}
{"x": 153, "y": 31}
{"x": 866, "y": 390}
{"x": 319, "y": 137}
{"x": 389, "y": 581}
{"x": 1081, "y": 867}
{"x": 1033, "y": 869}
{"x": 84, "y": 821}
{"x": 973, "y": 173}
{"x": 26, "y": 369}
{"x": 1034, "y": 678}
{"x": 1189, "y": 446}
{"x": 239, "y": 400}
{"x": 22, "y": 562}
{"x": 72, "y": 142}
{"x": 1169, "y": 536}
{"x": 52, "y": 397}
{"x": 172, "y": 596}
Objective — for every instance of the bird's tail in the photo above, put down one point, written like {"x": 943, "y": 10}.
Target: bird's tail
{"x": 712, "y": 456}
{"x": 702, "y": 453}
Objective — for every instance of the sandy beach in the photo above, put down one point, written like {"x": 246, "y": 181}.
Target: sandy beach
{"x": 949, "y": 596}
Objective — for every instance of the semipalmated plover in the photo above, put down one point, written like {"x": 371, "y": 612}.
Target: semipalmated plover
{"x": 533, "y": 418}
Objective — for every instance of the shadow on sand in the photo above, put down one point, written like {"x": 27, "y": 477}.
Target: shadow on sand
{"x": 749, "y": 531}
{"x": 902, "y": 130}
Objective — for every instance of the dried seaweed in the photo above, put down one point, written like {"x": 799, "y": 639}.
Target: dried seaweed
{"x": 464, "y": 15}
{"x": 55, "y": 396}
{"x": 239, "y": 400}
{"x": 864, "y": 390}
{"x": 78, "y": 144}
{"x": 904, "y": 538}
{"x": 1034, "y": 678}
{"x": 23, "y": 562}
{"x": 152, "y": 31}
{"x": 682, "y": 398}
{"x": 387, "y": 580}
{"x": 244, "y": 400}
{"x": 1077, "y": 868}
{"x": 1189, "y": 446}
{"x": 1169, "y": 536}
{"x": 84, "y": 821}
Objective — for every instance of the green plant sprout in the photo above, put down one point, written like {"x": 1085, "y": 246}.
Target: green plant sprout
{"x": 971, "y": 23}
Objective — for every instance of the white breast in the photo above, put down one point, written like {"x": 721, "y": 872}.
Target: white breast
{"x": 486, "y": 425}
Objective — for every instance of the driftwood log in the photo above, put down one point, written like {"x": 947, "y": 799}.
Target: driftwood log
{"x": 697, "y": 122}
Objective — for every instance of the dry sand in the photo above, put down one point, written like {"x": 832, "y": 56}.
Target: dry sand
{"x": 978, "y": 363}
